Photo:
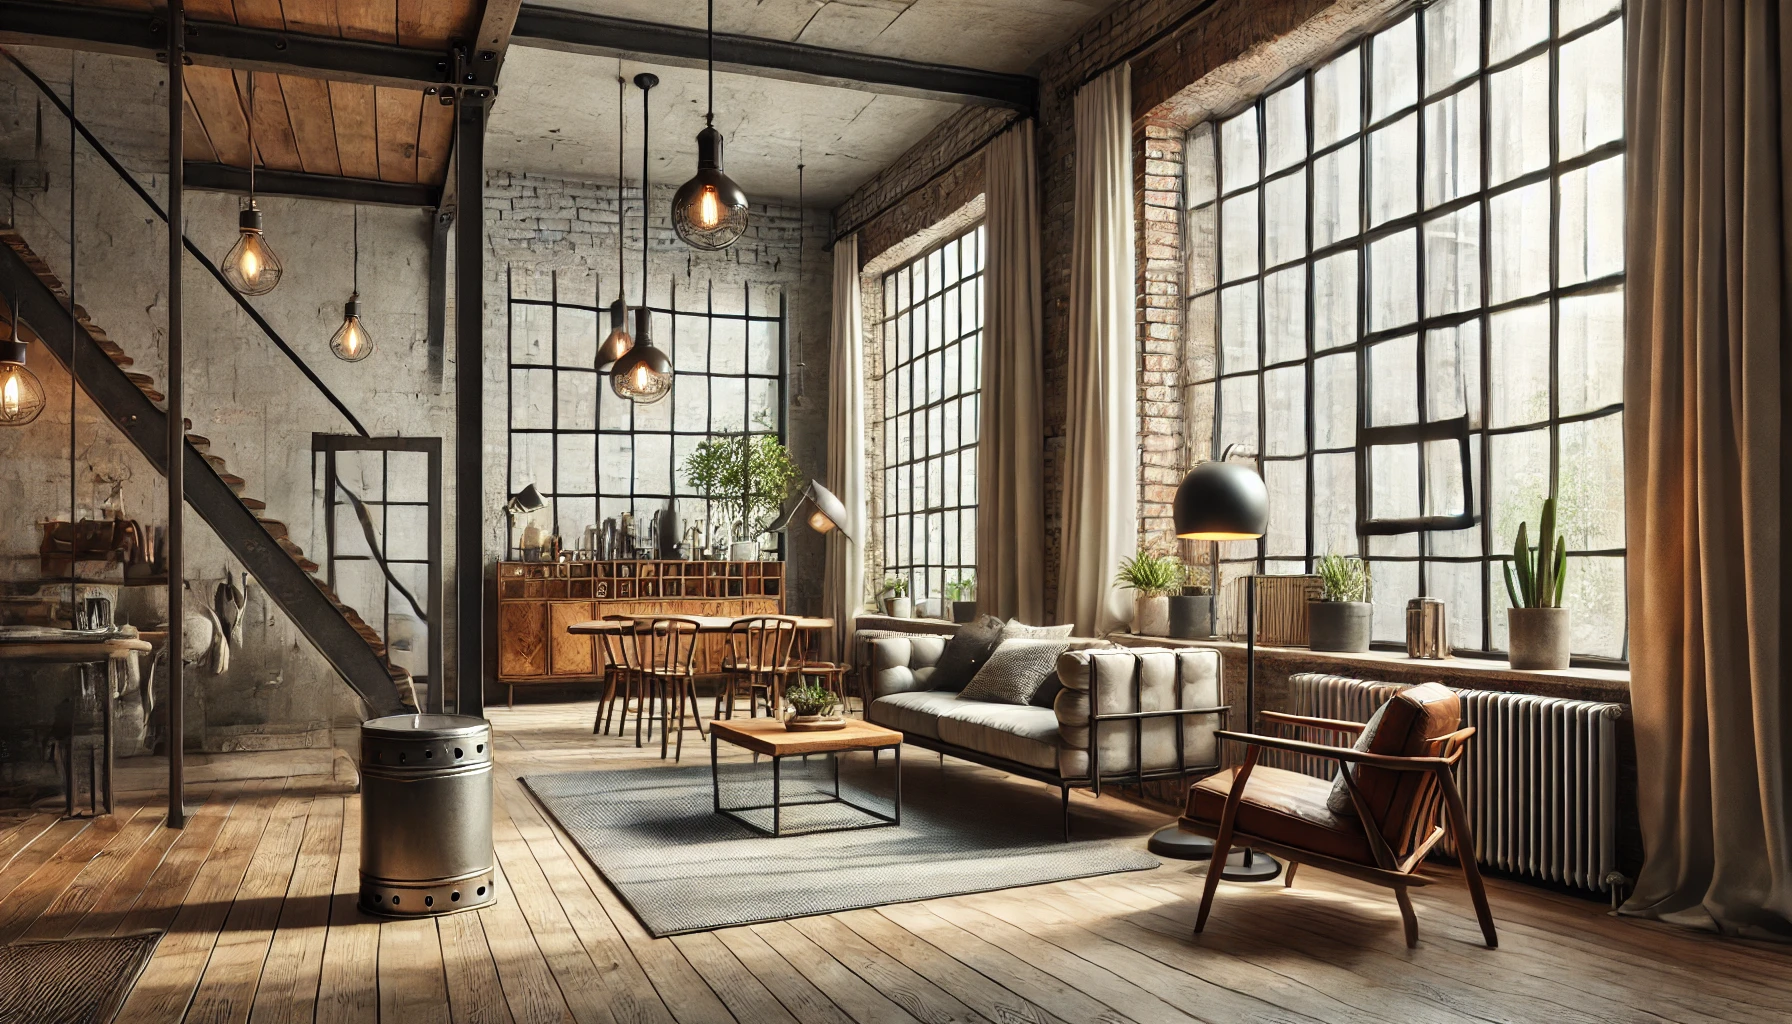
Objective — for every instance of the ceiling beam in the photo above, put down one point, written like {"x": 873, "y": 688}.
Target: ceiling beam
{"x": 142, "y": 34}
{"x": 226, "y": 178}
{"x": 552, "y": 28}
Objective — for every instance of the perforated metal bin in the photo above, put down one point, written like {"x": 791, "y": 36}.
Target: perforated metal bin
{"x": 426, "y": 815}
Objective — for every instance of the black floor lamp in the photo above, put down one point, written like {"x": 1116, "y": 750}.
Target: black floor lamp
{"x": 1224, "y": 501}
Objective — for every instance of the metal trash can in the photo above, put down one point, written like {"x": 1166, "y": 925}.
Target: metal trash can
{"x": 426, "y": 815}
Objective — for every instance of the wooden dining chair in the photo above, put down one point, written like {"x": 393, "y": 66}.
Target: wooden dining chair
{"x": 668, "y": 648}
{"x": 622, "y": 678}
{"x": 1376, "y": 823}
{"x": 758, "y": 660}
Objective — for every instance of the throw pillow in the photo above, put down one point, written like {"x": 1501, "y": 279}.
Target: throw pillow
{"x": 1018, "y": 630}
{"x": 965, "y": 653}
{"x": 1339, "y": 801}
{"x": 1015, "y": 672}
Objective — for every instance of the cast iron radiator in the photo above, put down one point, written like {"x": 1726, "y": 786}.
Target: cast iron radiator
{"x": 1539, "y": 780}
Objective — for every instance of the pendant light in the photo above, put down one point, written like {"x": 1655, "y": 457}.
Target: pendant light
{"x": 643, "y": 375}
{"x": 710, "y": 211}
{"x": 351, "y": 343}
{"x": 21, "y": 393}
{"x": 251, "y": 266}
{"x": 619, "y": 341}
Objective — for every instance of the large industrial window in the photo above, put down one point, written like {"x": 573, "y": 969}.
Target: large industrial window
{"x": 1426, "y": 227}
{"x": 595, "y": 456}
{"x": 932, "y": 336}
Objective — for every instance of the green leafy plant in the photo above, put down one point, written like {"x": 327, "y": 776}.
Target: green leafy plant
{"x": 894, "y": 586}
{"x": 1535, "y": 574}
{"x": 811, "y": 698}
{"x": 1343, "y": 578}
{"x": 962, "y": 588}
{"x": 1150, "y": 574}
{"x": 747, "y": 477}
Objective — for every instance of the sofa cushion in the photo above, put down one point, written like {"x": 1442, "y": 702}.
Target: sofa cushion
{"x": 1401, "y": 727}
{"x": 900, "y": 663}
{"x": 1018, "y": 630}
{"x": 915, "y": 711}
{"x": 1016, "y": 671}
{"x": 1283, "y": 807}
{"x": 1012, "y": 732}
{"x": 1156, "y": 673}
{"x": 966, "y": 652}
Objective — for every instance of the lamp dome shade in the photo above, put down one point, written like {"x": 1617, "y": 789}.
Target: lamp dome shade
{"x": 1221, "y": 501}
{"x": 643, "y": 375}
{"x": 829, "y": 511}
{"x": 525, "y": 501}
{"x": 710, "y": 210}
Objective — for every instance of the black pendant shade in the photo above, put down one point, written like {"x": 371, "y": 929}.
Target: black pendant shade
{"x": 1221, "y": 501}
{"x": 618, "y": 342}
{"x": 710, "y": 210}
{"x": 644, "y": 374}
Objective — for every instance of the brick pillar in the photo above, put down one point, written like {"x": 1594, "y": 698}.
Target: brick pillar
{"x": 1157, "y": 172}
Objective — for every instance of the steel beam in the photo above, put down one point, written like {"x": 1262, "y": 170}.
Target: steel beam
{"x": 174, "y": 435}
{"x": 469, "y": 402}
{"x": 210, "y": 177}
{"x": 552, "y": 28}
{"x": 217, "y": 44}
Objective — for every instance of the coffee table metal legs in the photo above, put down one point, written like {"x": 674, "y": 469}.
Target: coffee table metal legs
{"x": 777, "y": 805}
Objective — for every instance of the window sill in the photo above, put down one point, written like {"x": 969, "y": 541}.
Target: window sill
{"x": 1472, "y": 673}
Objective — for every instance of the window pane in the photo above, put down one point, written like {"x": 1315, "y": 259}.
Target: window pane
{"x": 1334, "y": 401}
{"x": 1518, "y": 233}
{"x": 1591, "y": 346}
{"x": 1516, "y": 25}
{"x": 1592, "y": 222}
{"x": 1285, "y": 127}
{"x": 1336, "y": 195}
{"x": 1285, "y": 219}
{"x": 1518, "y": 128}
{"x": 1395, "y": 584}
{"x": 1453, "y": 373}
{"x": 1394, "y": 481}
{"x": 1393, "y": 382}
{"x": 1458, "y": 586}
{"x": 1199, "y": 355}
{"x": 1285, "y": 315}
{"x": 1444, "y": 493}
{"x": 1592, "y": 90}
{"x": 1238, "y": 413}
{"x": 1594, "y": 588}
{"x": 1334, "y": 503}
{"x": 1238, "y": 151}
{"x": 1452, "y": 42}
{"x": 1238, "y": 234}
{"x": 1452, "y": 147}
{"x": 1285, "y": 414}
{"x": 1395, "y": 74}
{"x": 1287, "y": 484}
{"x": 1393, "y": 170}
{"x": 1590, "y": 488}
{"x": 1238, "y": 328}
{"x": 1334, "y": 301}
{"x": 1572, "y": 14}
{"x": 1519, "y": 389}
{"x": 1338, "y": 98}
{"x": 1202, "y": 241}
{"x": 1518, "y": 477}
{"x": 1202, "y": 170}
{"x": 1463, "y": 543}
{"x": 1393, "y": 281}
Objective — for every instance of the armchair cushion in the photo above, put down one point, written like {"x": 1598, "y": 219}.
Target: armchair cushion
{"x": 1401, "y": 727}
{"x": 1283, "y": 807}
{"x": 966, "y": 652}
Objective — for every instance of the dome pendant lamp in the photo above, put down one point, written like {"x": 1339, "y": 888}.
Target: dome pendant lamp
{"x": 251, "y": 266}
{"x": 619, "y": 341}
{"x": 21, "y": 393}
{"x": 351, "y": 343}
{"x": 643, "y": 375}
{"x": 710, "y": 210}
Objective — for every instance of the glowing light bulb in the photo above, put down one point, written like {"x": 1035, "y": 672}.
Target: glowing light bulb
{"x": 21, "y": 394}
{"x": 9, "y": 396}
{"x": 351, "y": 343}
{"x": 819, "y": 522}
{"x": 251, "y": 266}
{"x": 709, "y": 209}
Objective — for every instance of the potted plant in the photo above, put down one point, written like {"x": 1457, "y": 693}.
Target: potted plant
{"x": 746, "y": 479}
{"x": 1191, "y": 611}
{"x": 895, "y": 597}
{"x": 1538, "y": 622}
{"x": 962, "y": 592}
{"x": 1340, "y": 620}
{"x": 812, "y": 708}
{"x": 1152, "y": 579}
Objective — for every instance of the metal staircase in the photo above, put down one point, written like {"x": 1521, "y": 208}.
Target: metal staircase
{"x": 351, "y": 646}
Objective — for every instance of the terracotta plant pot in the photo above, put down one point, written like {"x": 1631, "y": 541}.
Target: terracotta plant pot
{"x": 1539, "y": 638}
{"x": 1339, "y": 625}
{"x": 964, "y": 611}
{"x": 814, "y": 723}
{"x": 1191, "y": 616}
{"x": 899, "y": 608}
{"x": 1151, "y": 615}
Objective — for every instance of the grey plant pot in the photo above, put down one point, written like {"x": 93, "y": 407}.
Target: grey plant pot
{"x": 1539, "y": 638}
{"x": 1191, "y": 616}
{"x": 964, "y": 611}
{"x": 1339, "y": 625}
{"x": 899, "y": 607}
{"x": 1151, "y": 615}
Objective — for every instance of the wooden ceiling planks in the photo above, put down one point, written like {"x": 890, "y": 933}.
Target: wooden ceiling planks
{"x": 435, "y": 137}
{"x": 273, "y": 124}
{"x": 313, "y": 124}
{"x": 197, "y": 144}
{"x": 399, "y": 112}
{"x": 351, "y": 107}
{"x": 212, "y": 92}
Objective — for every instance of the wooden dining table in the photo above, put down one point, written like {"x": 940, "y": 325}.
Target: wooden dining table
{"x": 705, "y": 623}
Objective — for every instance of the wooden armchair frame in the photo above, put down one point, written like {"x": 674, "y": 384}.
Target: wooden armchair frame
{"x": 1389, "y": 870}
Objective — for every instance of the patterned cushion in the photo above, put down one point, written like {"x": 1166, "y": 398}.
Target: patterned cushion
{"x": 1018, "y": 630}
{"x": 1015, "y": 672}
{"x": 965, "y": 653}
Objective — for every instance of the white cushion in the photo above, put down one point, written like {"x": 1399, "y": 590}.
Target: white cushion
{"x": 1013, "y": 732}
{"x": 914, "y": 711}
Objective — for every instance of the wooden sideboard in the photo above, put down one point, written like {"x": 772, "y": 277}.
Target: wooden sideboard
{"x": 538, "y": 600}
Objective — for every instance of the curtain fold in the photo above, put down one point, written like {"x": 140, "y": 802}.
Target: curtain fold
{"x": 1101, "y": 436}
{"x": 843, "y": 587}
{"x": 1705, "y": 438}
{"x": 1011, "y": 434}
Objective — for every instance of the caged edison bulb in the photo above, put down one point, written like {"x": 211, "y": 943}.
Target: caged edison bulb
{"x": 251, "y": 266}
{"x": 351, "y": 343}
{"x": 21, "y": 394}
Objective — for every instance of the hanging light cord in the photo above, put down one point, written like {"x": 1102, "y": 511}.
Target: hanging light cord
{"x": 621, "y": 125}
{"x": 646, "y": 197}
{"x": 799, "y": 209}
{"x": 709, "y": 116}
{"x": 251, "y": 140}
{"x": 74, "y": 387}
{"x": 357, "y": 236}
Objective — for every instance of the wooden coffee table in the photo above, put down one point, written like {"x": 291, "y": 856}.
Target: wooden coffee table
{"x": 768, "y": 736}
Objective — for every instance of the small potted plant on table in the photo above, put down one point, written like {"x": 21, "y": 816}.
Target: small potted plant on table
{"x": 1340, "y": 620}
{"x": 812, "y": 708}
{"x": 1538, "y": 623}
{"x": 962, "y": 592}
{"x": 895, "y": 597}
{"x": 1152, "y": 579}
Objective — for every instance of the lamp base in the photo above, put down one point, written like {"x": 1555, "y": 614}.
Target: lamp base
{"x": 1172, "y": 842}
{"x": 1247, "y": 865}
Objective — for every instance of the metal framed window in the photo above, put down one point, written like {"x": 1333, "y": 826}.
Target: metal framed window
{"x": 595, "y": 456}
{"x": 1426, "y": 228}
{"x": 932, "y": 337}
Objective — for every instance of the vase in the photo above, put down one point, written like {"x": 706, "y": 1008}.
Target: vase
{"x": 1191, "y": 616}
{"x": 1539, "y": 638}
{"x": 899, "y": 607}
{"x": 1151, "y": 614}
{"x": 964, "y": 611}
{"x": 1339, "y": 625}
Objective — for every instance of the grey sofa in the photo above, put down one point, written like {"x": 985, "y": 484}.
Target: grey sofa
{"x": 1123, "y": 715}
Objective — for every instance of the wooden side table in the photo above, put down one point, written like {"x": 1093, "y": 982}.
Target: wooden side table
{"x": 770, "y": 738}
{"x": 80, "y": 653}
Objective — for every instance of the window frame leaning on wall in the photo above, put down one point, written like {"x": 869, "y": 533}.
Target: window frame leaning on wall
{"x": 1459, "y": 344}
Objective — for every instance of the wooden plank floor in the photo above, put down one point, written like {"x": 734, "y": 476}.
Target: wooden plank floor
{"x": 257, "y": 897}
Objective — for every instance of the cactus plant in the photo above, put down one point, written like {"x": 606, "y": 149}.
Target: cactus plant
{"x": 1534, "y": 576}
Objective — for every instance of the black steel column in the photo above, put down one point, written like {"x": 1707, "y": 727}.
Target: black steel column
{"x": 469, "y": 400}
{"x": 177, "y": 704}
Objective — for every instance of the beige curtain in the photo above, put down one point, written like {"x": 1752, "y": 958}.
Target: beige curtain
{"x": 843, "y": 590}
{"x": 1101, "y": 437}
{"x": 1010, "y": 435}
{"x": 1705, "y": 436}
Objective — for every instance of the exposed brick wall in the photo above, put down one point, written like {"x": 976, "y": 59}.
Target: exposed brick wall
{"x": 938, "y": 153}
{"x": 1163, "y": 447}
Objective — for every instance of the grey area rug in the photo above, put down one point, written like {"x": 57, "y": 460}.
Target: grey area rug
{"x": 653, "y": 834}
{"x": 75, "y": 981}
